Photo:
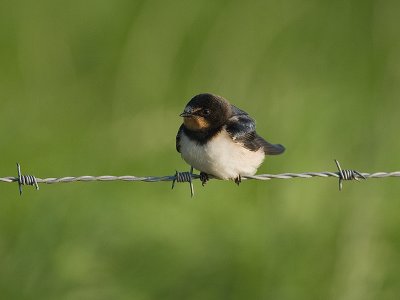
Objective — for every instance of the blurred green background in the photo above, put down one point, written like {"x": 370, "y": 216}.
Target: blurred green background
{"x": 95, "y": 88}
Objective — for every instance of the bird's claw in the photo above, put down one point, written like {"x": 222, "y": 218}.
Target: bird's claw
{"x": 238, "y": 180}
{"x": 204, "y": 178}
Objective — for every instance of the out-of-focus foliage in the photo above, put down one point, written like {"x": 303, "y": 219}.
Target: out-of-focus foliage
{"x": 95, "y": 88}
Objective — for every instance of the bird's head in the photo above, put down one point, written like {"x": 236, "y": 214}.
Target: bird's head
{"x": 206, "y": 111}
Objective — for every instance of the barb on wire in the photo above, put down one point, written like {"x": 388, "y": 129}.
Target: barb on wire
{"x": 347, "y": 175}
{"x": 184, "y": 177}
{"x": 341, "y": 174}
{"x": 25, "y": 180}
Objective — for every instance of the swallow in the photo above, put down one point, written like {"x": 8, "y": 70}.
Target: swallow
{"x": 219, "y": 139}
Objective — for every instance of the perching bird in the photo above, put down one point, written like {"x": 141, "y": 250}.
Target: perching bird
{"x": 219, "y": 139}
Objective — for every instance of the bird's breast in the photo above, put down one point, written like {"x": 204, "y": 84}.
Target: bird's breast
{"x": 221, "y": 156}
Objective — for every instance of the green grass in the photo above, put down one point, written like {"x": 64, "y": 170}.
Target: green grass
{"x": 95, "y": 88}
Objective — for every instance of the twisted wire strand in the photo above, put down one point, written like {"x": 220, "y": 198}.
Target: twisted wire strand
{"x": 87, "y": 178}
{"x": 342, "y": 175}
{"x": 53, "y": 180}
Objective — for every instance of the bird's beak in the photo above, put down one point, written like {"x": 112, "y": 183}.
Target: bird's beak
{"x": 188, "y": 112}
{"x": 185, "y": 114}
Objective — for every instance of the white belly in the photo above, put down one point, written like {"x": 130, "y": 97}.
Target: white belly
{"x": 221, "y": 157}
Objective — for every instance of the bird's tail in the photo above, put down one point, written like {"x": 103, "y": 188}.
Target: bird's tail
{"x": 272, "y": 149}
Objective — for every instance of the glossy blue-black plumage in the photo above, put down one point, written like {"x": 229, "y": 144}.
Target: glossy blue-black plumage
{"x": 242, "y": 128}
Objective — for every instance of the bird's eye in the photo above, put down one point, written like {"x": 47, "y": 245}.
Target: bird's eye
{"x": 206, "y": 112}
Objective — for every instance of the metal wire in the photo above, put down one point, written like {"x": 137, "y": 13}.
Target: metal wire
{"x": 347, "y": 175}
{"x": 184, "y": 177}
{"x": 189, "y": 177}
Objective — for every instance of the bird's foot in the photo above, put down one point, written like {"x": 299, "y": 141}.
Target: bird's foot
{"x": 238, "y": 180}
{"x": 204, "y": 178}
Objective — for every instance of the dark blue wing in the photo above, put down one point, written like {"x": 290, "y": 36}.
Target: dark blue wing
{"x": 242, "y": 128}
{"x": 178, "y": 139}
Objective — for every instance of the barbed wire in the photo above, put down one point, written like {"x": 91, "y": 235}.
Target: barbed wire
{"x": 341, "y": 174}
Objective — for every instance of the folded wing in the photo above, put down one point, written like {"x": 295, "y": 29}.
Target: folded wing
{"x": 178, "y": 139}
{"x": 242, "y": 128}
